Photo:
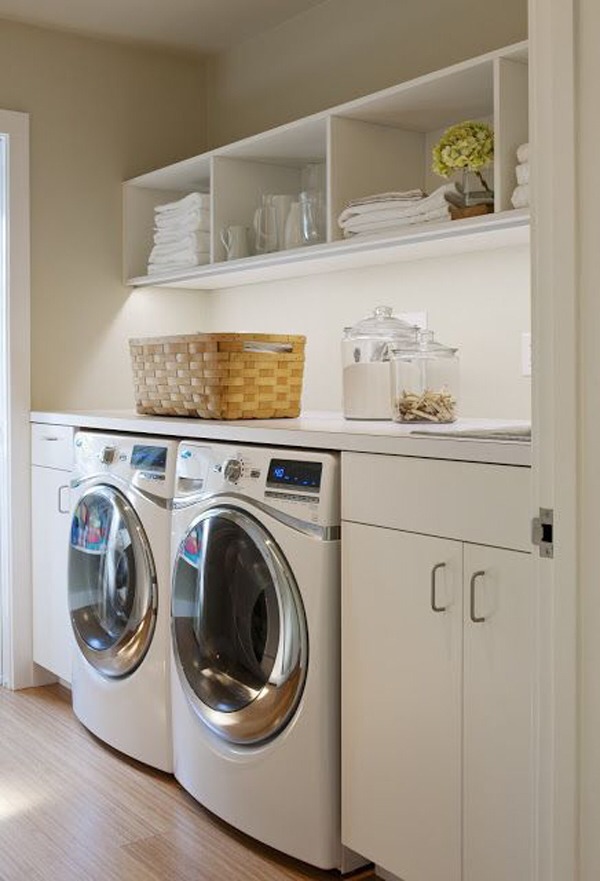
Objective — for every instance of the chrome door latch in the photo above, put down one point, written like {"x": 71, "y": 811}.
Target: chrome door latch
{"x": 542, "y": 532}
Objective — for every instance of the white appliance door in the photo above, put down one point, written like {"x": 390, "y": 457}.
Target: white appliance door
{"x": 239, "y": 628}
{"x": 112, "y": 582}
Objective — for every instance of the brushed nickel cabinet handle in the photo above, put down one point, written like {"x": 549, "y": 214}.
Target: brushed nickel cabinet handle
{"x": 434, "y": 604}
{"x": 476, "y": 619}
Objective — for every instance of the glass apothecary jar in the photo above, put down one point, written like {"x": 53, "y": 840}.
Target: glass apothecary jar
{"x": 424, "y": 381}
{"x": 366, "y": 363}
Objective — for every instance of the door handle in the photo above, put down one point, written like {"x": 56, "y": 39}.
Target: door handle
{"x": 476, "y": 619}
{"x": 434, "y": 572}
{"x": 62, "y": 509}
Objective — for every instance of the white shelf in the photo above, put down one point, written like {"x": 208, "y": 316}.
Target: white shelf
{"x": 373, "y": 144}
{"x": 506, "y": 229}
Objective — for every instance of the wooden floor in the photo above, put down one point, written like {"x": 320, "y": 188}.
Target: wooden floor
{"x": 72, "y": 809}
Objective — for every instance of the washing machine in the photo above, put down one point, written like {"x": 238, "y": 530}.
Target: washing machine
{"x": 119, "y": 591}
{"x": 255, "y": 626}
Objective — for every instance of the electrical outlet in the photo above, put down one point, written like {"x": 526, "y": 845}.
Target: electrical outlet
{"x": 526, "y": 354}
{"x": 418, "y": 318}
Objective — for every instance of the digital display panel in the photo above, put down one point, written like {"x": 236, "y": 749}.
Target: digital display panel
{"x": 301, "y": 475}
{"x": 149, "y": 458}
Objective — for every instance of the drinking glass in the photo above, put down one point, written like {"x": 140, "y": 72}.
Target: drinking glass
{"x": 265, "y": 226}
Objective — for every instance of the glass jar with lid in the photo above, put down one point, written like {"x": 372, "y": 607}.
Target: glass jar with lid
{"x": 424, "y": 380}
{"x": 365, "y": 360}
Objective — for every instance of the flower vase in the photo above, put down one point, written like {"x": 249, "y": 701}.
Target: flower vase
{"x": 474, "y": 188}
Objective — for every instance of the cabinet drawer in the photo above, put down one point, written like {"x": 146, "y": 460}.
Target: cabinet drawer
{"x": 468, "y": 501}
{"x": 52, "y": 445}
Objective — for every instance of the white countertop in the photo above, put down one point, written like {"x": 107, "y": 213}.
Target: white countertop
{"x": 315, "y": 430}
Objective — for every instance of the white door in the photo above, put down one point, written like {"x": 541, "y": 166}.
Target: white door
{"x": 499, "y": 696}
{"x": 401, "y": 701}
{"x": 15, "y": 549}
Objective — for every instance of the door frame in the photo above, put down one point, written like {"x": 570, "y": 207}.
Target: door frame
{"x": 15, "y": 492}
{"x": 552, "y": 25}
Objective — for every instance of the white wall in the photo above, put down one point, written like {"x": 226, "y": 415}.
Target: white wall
{"x": 478, "y": 302}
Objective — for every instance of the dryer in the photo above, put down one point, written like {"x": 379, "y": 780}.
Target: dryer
{"x": 256, "y": 642}
{"x": 119, "y": 591}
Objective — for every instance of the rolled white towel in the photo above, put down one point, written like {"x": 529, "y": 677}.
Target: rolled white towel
{"x": 522, "y": 172}
{"x": 520, "y": 196}
{"x": 193, "y": 200}
{"x": 523, "y": 153}
{"x": 192, "y": 221}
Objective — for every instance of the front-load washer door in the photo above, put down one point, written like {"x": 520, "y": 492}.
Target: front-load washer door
{"x": 112, "y": 582}
{"x": 239, "y": 628}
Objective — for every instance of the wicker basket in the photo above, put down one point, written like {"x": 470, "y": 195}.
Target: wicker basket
{"x": 219, "y": 375}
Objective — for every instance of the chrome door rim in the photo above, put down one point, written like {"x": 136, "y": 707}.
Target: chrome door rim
{"x": 128, "y": 652}
{"x": 273, "y": 708}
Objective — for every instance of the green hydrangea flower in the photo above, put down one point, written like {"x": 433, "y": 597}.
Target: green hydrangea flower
{"x": 466, "y": 145}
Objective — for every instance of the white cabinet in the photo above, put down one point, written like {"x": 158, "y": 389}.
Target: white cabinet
{"x": 50, "y": 520}
{"x": 373, "y": 144}
{"x": 499, "y": 689}
{"x": 438, "y": 664}
{"x": 401, "y": 725}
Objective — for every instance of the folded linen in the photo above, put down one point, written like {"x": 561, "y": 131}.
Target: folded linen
{"x": 523, "y": 153}
{"x": 191, "y": 221}
{"x": 194, "y": 200}
{"x": 158, "y": 255}
{"x": 168, "y": 239}
{"x": 403, "y": 196}
{"x": 199, "y": 241}
{"x": 185, "y": 254}
{"x": 522, "y": 172}
{"x": 354, "y": 218}
{"x": 379, "y": 227}
{"x": 520, "y": 196}
{"x": 180, "y": 264}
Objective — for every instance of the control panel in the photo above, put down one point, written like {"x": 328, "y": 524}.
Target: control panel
{"x": 148, "y": 463}
{"x": 301, "y": 483}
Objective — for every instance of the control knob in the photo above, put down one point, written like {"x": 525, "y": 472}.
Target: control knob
{"x": 107, "y": 456}
{"x": 232, "y": 470}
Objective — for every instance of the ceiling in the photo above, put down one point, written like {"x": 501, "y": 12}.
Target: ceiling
{"x": 193, "y": 25}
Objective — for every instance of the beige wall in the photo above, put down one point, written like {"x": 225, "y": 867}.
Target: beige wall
{"x": 100, "y": 112}
{"x": 335, "y": 52}
{"x": 478, "y": 302}
{"x": 346, "y": 48}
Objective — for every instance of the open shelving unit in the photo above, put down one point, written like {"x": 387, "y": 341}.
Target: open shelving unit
{"x": 374, "y": 144}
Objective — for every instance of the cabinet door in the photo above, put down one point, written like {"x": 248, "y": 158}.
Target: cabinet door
{"x": 401, "y": 701}
{"x": 50, "y": 519}
{"x": 499, "y": 662}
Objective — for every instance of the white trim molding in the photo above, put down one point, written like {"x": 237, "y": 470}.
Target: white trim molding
{"x": 15, "y": 538}
{"x": 555, "y": 426}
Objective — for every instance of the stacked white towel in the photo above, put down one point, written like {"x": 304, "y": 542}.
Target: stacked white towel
{"x": 520, "y": 196}
{"x": 181, "y": 234}
{"x": 384, "y": 213}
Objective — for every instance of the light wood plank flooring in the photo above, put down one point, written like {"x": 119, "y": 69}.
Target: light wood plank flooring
{"x": 72, "y": 809}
